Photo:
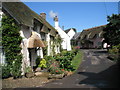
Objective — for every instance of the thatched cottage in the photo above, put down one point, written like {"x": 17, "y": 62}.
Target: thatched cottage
{"x": 36, "y": 32}
{"x": 93, "y": 38}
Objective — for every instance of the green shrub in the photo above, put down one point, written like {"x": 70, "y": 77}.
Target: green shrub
{"x": 28, "y": 69}
{"x": 65, "y": 59}
{"x": 5, "y": 71}
{"x": 11, "y": 41}
{"x": 114, "y": 53}
{"x": 42, "y": 64}
{"x": 55, "y": 68}
{"x": 114, "y": 50}
{"x": 49, "y": 60}
{"x": 61, "y": 61}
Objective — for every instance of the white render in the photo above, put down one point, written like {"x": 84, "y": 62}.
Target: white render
{"x": 71, "y": 33}
{"x": 48, "y": 43}
{"x": 66, "y": 39}
{"x": 25, "y": 33}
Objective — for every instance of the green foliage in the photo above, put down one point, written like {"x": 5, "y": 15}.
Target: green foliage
{"x": 28, "y": 69}
{"x": 56, "y": 43}
{"x": 115, "y": 49}
{"x": 45, "y": 48}
{"x": 65, "y": 59}
{"x": 42, "y": 64}
{"x": 61, "y": 62}
{"x": 11, "y": 43}
{"x": 49, "y": 60}
{"x": 5, "y": 71}
{"x": 55, "y": 70}
{"x": 114, "y": 53}
{"x": 77, "y": 60}
{"x": 112, "y": 30}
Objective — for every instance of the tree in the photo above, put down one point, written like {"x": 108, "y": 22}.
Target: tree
{"x": 112, "y": 30}
{"x": 112, "y": 33}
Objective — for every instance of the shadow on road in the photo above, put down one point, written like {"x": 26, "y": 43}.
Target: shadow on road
{"x": 106, "y": 79}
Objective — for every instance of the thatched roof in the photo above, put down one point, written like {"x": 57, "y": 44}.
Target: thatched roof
{"x": 35, "y": 41}
{"x": 24, "y": 15}
{"x": 91, "y": 32}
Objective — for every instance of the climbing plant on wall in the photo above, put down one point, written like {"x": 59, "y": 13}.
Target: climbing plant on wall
{"x": 58, "y": 42}
{"x": 11, "y": 44}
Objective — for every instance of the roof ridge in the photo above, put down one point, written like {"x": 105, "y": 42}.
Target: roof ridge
{"x": 94, "y": 27}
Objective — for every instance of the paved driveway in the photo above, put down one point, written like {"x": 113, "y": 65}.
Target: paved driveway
{"x": 96, "y": 71}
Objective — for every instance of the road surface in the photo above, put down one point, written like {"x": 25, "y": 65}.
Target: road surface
{"x": 96, "y": 71}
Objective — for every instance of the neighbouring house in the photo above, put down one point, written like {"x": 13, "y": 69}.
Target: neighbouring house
{"x": 71, "y": 32}
{"x": 75, "y": 41}
{"x": 66, "y": 45}
{"x": 36, "y": 32}
{"x": 93, "y": 38}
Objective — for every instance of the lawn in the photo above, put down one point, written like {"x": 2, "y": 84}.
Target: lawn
{"x": 77, "y": 60}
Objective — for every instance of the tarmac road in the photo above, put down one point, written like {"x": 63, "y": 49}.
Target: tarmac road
{"x": 96, "y": 71}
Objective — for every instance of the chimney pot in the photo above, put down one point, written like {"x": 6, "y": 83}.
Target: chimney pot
{"x": 55, "y": 18}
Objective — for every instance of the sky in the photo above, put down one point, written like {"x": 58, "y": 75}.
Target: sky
{"x": 79, "y": 15}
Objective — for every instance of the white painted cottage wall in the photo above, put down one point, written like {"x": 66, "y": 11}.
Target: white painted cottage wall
{"x": 71, "y": 33}
{"x": 39, "y": 51}
{"x": 2, "y": 55}
{"x": 66, "y": 40}
{"x": 25, "y": 34}
{"x": 48, "y": 43}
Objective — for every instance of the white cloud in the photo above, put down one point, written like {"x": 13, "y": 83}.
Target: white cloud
{"x": 53, "y": 14}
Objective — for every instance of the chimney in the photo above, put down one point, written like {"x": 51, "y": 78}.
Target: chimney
{"x": 43, "y": 15}
{"x": 56, "y": 21}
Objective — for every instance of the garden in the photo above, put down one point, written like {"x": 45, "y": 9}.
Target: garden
{"x": 48, "y": 69}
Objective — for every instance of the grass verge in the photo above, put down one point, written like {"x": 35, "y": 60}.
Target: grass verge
{"x": 77, "y": 60}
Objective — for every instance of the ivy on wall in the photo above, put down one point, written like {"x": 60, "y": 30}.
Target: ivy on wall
{"x": 11, "y": 40}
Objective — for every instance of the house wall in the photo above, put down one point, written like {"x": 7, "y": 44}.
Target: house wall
{"x": 25, "y": 33}
{"x": 66, "y": 40}
{"x": 29, "y": 54}
{"x": 98, "y": 43}
{"x": 2, "y": 56}
{"x": 1, "y": 13}
{"x": 71, "y": 33}
{"x": 37, "y": 29}
{"x": 48, "y": 43}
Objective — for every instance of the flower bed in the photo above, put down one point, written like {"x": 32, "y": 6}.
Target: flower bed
{"x": 61, "y": 63}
